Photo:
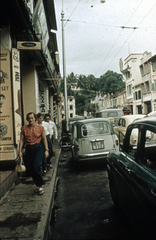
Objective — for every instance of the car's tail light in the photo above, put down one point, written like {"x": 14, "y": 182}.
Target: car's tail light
{"x": 77, "y": 147}
{"x": 117, "y": 142}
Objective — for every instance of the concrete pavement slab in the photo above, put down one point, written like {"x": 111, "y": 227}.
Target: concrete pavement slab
{"x": 23, "y": 213}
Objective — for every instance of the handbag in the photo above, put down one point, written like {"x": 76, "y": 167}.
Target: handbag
{"x": 20, "y": 166}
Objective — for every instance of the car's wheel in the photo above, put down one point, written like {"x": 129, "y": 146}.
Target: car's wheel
{"x": 113, "y": 192}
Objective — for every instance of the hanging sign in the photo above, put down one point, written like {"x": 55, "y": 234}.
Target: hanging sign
{"x": 28, "y": 45}
{"x": 7, "y": 150}
{"x": 16, "y": 93}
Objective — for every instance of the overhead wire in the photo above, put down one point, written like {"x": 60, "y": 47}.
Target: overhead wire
{"x": 130, "y": 36}
{"x": 107, "y": 25}
{"x": 71, "y": 14}
{"x": 118, "y": 37}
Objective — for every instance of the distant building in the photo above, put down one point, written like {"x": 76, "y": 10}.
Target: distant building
{"x": 139, "y": 96}
{"x": 71, "y": 106}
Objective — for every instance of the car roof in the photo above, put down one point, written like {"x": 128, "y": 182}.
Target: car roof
{"x": 147, "y": 120}
{"x": 92, "y": 120}
{"x": 133, "y": 116}
{"x": 75, "y": 118}
{"x": 110, "y": 110}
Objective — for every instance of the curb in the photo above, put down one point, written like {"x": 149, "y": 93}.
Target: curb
{"x": 43, "y": 225}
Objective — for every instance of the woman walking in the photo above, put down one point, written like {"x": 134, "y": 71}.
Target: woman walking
{"x": 32, "y": 135}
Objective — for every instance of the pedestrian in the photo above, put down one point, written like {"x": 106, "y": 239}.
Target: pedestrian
{"x": 52, "y": 125}
{"x": 46, "y": 163}
{"x": 126, "y": 111}
{"x": 32, "y": 135}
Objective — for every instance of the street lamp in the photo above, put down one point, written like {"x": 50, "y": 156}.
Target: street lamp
{"x": 64, "y": 74}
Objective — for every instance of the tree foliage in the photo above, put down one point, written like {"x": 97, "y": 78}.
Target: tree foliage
{"x": 110, "y": 82}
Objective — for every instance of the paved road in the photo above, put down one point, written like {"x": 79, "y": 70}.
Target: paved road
{"x": 83, "y": 205}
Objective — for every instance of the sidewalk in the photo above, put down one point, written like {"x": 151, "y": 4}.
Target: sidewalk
{"x": 25, "y": 214}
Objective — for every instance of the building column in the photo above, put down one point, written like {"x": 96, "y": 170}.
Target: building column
{"x": 29, "y": 89}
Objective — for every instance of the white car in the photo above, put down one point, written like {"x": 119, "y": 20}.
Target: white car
{"x": 122, "y": 125}
{"x": 92, "y": 139}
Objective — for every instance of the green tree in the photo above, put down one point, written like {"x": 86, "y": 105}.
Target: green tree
{"x": 110, "y": 82}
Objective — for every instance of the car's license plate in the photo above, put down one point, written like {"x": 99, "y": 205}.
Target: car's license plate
{"x": 98, "y": 145}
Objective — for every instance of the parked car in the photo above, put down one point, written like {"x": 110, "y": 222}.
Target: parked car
{"x": 71, "y": 120}
{"x": 92, "y": 139}
{"x": 122, "y": 125}
{"x": 113, "y": 114}
{"x": 132, "y": 175}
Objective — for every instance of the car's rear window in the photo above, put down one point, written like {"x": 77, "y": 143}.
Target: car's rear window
{"x": 98, "y": 128}
{"x": 112, "y": 114}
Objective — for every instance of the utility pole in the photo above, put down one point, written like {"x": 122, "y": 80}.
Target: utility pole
{"x": 64, "y": 74}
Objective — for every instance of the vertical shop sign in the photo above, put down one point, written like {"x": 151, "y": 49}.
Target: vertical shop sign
{"x": 16, "y": 93}
{"x": 42, "y": 101}
{"x": 6, "y": 123}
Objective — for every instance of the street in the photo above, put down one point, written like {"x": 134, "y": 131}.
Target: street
{"x": 83, "y": 207}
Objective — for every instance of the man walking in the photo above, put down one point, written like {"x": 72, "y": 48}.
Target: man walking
{"x": 52, "y": 126}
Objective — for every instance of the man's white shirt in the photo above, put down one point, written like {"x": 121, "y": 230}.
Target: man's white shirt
{"x": 47, "y": 128}
{"x": 53, "y": 128}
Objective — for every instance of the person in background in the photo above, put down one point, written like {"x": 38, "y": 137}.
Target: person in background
{"x": 52, "y": 125}
{"x": 48, "y": 133}
{"x": 126, "y": 111}
{"x": 32, "y": 135}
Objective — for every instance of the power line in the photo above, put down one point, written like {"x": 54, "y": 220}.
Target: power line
{"x": 107, "y": 25}
{"x": 71, "y": 14}
{"x": 123, "y": 27}
{"x": 109, "y": 52}
{"x": 131, "y": 33}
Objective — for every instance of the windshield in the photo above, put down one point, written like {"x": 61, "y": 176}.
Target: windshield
{"x": 98, "y": 128}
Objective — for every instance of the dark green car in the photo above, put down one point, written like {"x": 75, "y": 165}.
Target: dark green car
{"x": 132, "y": 175}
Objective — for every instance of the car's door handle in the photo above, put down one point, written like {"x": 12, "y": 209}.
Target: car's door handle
{"x": 128, "y": 170}
{"x": 153, "y": 191}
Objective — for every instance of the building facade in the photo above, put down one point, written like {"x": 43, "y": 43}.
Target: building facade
{"x": 29, "y": 69}
{"x": 70, "y": 105}
{"x": 139, "y": 96}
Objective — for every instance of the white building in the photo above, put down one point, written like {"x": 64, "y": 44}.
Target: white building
{"x": 139, "y": 96}
{"x": 71, "y": 106}
{"x": 133, "y": 78}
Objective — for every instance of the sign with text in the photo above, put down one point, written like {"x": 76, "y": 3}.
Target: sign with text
{"x": 27, "y": 45}
{"x": 6, "y": 116}
{"x": 16, "y": 93}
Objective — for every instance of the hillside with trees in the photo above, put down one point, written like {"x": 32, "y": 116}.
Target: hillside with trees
{"x": 86, "y": 88}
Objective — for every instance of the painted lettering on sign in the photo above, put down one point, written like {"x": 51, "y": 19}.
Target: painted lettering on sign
{"x": 5, "y": 88}
{"x": 42, "y": 100}
{"x": 17, "y": 76}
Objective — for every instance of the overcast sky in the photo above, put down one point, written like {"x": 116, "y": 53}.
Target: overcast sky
{"x": 94, "y": 37}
